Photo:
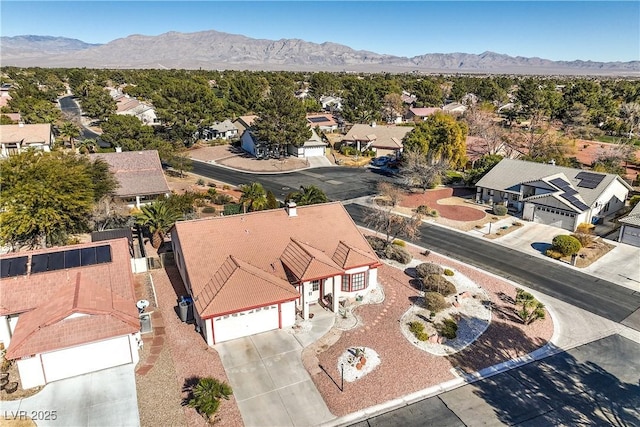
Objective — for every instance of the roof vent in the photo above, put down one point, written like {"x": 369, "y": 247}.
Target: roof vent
{"x": 552, "y": 162}
{"x": 291, "y": 209}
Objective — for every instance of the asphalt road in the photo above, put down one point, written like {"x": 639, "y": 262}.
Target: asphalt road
{"x": 337, "y": 183}
{"x": 597, "y": 296}
{"x": 69, "y": 105}
{"x": 593, "y": 384}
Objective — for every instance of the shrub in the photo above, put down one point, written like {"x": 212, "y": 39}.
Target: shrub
{"x": 423, "y": 210}
{"x": 212, "y": 192}
{"x": 553, "y": 254}
{"x": 436, "y": 283}
{"x": 448, "y": 272}
{"x": 200, "y": 181}
{"x": 226, "y": 187}
{"x": 584, "y": 239}
{"x": 435, "y": 302}
{"x": 427, "y": 268}
{"x": 222, "y": 199}
{"x": 211, "y": 184}
{"x": 566, "y": 245}
{"x": 399, "y": 242}
{"x": 208, "y": 209}
{"x": 500, "y": 210}
{"x": 517, "y": 224}
{"x": 633, "y": 201}
{"x": 205, "y": 396}
{"x": 448, "y": 328}
{"x": 531, "y": 309}
{"x": 434, "y": 213}
{"x": 398, "y": 253}
{"x": 417, "y": 329}
{"x": 377, "y": 243}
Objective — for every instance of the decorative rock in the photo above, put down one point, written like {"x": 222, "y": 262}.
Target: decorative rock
{"x": 433, "y": 338}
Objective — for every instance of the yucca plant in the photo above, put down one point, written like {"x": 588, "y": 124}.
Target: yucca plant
{"x": 206, "y": 395}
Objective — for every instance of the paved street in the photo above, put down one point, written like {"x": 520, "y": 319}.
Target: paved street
{"x": 69, "y": 105}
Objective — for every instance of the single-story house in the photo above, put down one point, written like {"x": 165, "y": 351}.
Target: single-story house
{"x": 417, "y": 114}
{"x": 313, "y": 147}
{"x": 139, "y": 174}
{"x": 384, "y": 140}
{"x": 243, "y": 123}
{"x": 630, "y": 227}
{"x": 218, "y": 130}
{"x": 325, "y": 122}
{"x": 15, "y": 138}
{"x": 553, "y": 195}
{"x": 128, "y": 106}
{"x": 454, "y": 108}
{"x": 68, "y": 311}
{"x": 331, "y": 103}
{"x": 252, "y": 273}
{"x": 408, "y": 98}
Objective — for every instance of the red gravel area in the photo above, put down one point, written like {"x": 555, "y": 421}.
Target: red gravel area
{"x": 404, "y": 368}
{"x": 191, "y": 354}
{"x": 431, "y": 198}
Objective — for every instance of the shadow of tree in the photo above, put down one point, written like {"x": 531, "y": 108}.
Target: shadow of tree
{"x": 579, "y": 387}
{"x": 541, "y": 246}
{"x": 187, "y": 387}
{"x": 411, "y": 272}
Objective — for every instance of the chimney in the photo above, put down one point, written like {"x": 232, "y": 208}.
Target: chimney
{"x": 118, "y": 149}
{"x": 291, "y": 209}
{"x": 373, "y": 124}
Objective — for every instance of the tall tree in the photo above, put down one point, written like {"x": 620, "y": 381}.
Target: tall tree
{"x": 282, "y": 120}
{"x": 309, "y": 195}
{"x": 48, "y": 196}
{"x": 158, "y": 217}
{"x": 70, "y": 131}
{"x": 254, "y": 197}
{"x": 440, "y": 138}
{"x": 361, "y": 103}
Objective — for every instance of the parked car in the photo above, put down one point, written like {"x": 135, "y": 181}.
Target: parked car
{"x": 380, "y": 161}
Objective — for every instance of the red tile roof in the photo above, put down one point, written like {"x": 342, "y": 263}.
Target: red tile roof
{"x": 313, "y": 242}
{"x": 101, "y": 294}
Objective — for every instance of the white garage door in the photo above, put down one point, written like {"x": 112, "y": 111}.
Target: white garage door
{"x": 86, "y": 358}
{"x": 313, "y": 151}
{"x": 246, "y": 323}
{"x": 554, "y": 218}
{"x": 631, "y": 236}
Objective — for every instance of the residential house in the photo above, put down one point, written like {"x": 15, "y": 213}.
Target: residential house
{"x": 219, "y": 130}
{"x": 630, "y": 227}
{"x": 419, "y": 114}
{"x": 5, "y": 96}
{"x": 15, "y": 138}
{"x": 454, "y": 108}
{"x": 14, "y": 117}
{"x": 243, "y": 123}
{"x": 128, "y": 106}
{"x": 331, "y": 103}
{"x": 139, "y": 174}
{"x": 408, "y": 98}
{"x": 252, "y": 273}
{"x": 313, "y": 147}
{"x": 384, "y": 140}
{"x": 553, "y": 195}
{"x": 325, "y": 122}
{"x": 68, "y": 311}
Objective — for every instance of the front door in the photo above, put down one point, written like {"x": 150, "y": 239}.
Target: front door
{"x": 315, "y": 291}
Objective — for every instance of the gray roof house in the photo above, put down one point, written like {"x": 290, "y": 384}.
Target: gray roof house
{"x": 383, "y": 139}
{"x": 553, "y": 195}
{"x": 139, "y": 174}
{"x": 15, "y": 138}
{"x": 218, "y": 130}
{"x": 630, "y": 227}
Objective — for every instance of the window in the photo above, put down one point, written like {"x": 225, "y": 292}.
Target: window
{"x": 316, "y": 285}
{"x": 354, "y": 282}
{"x": 345, "y": 283}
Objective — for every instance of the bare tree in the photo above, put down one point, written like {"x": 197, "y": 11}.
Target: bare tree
{"x": 109, "y": 213}
{"x": 390, "y": 192}
{"x": 630, "y": 112}
{"x": 419, "y": 171}
{"x": 485, "y": 126}
{"x": 384, "y": 221}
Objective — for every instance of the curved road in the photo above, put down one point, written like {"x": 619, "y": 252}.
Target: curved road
{"x": 69, "y": 105}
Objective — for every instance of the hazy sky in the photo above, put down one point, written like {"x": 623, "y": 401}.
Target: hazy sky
{"x": 587, "y": 30}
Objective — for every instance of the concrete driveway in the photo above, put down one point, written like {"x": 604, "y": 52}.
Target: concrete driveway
{"x": 104, "y": 398}
{"x": 269, "y": 382}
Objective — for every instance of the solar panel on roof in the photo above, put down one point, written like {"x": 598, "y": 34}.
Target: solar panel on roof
{"x": 560, "y": 183}
{"x": 13, "y": 267}
{"x": 72, "y": 258}
{"x": 103, "y": 254}
{"x": 88, "y": 256}
{"x": 39, "y": 263}
{"x": 318, "y": 119}
{"x": 589, "y": 179}
{"x": 56, "y": 261}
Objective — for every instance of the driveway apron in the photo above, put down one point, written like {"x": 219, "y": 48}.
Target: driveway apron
{"x": 269, "y": 382}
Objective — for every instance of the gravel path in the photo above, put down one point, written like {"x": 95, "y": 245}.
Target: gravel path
{"x": 403, "y": 367}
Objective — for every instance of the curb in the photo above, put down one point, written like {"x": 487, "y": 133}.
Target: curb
{"x": 214, "y": 163}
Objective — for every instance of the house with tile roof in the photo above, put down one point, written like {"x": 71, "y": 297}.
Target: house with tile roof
{"x": 630, "y": 227}
{"x": 553, "y": 195}
{"x": 139, "y": 174}
{"x": 15, "y": 138}
{"x": 68, "y": 311}
{"x": 218, "y": 130}
{"x": 255, "y": 272}
{"x": 420, "y": 114}
{"x": 128, "y": 106}
{"x": 325, "y": 122}
{"x": 384, "y": 140}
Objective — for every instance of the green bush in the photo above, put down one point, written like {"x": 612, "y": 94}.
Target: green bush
{"x": 448, "y": 328}
{"x": 448, "y": 272}
{"x": 531, "y": 309}
{"x": 553, "y": 254}
{"x": 222, "y": 199}
{"x": 435, "y": 302}
{"x": 399, "y": 242}
{"x": 398, "y": 253}
{"x": 427, "y": 268}
{"x": 200, "y": 181}
{"x": 417, "y": 329}
{"x": 437, "y": 283}
{"x": 634, "y": 200}
{"x": 423, "y": 210}
{"x": 500, "y": 210}
{"x": 226, "y": 187}
{"x": 566, "y": 245}
{"x": 434, "y": 213}
{"x": 212, "y": 192}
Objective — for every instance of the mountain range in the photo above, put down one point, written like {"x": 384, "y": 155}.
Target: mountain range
{"x": 217, "y": 50}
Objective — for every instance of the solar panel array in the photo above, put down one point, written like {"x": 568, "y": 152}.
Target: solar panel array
{"x": 13, "y": 267}
{"x": 589, "y": 180}
{"x": 318, "y": 119}
{"x": 70, "y": 259}
{"x": 568, "y": 193}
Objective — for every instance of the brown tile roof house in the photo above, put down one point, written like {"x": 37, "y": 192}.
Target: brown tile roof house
{"x": 68, "y": 307}
{"x": 242, "y": 262}
{"x": 14, "y": 138}
{"x": 421, "y": 113}
{"x": 139, "y": 173}
{"x": 244, "y": 122}
{"x": 386, "y": 138}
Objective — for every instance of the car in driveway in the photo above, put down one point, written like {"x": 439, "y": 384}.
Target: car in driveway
{"x": 380, "y": 161}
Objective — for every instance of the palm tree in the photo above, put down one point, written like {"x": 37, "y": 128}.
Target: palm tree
{"x": 87, "y": 145}
{"x": 71, "y": 131}
{"x": 253, "y": 198}
{"x": 309, "y": 195}
{"x": 207, "y": 394}
{"x": 158, "y": 217}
